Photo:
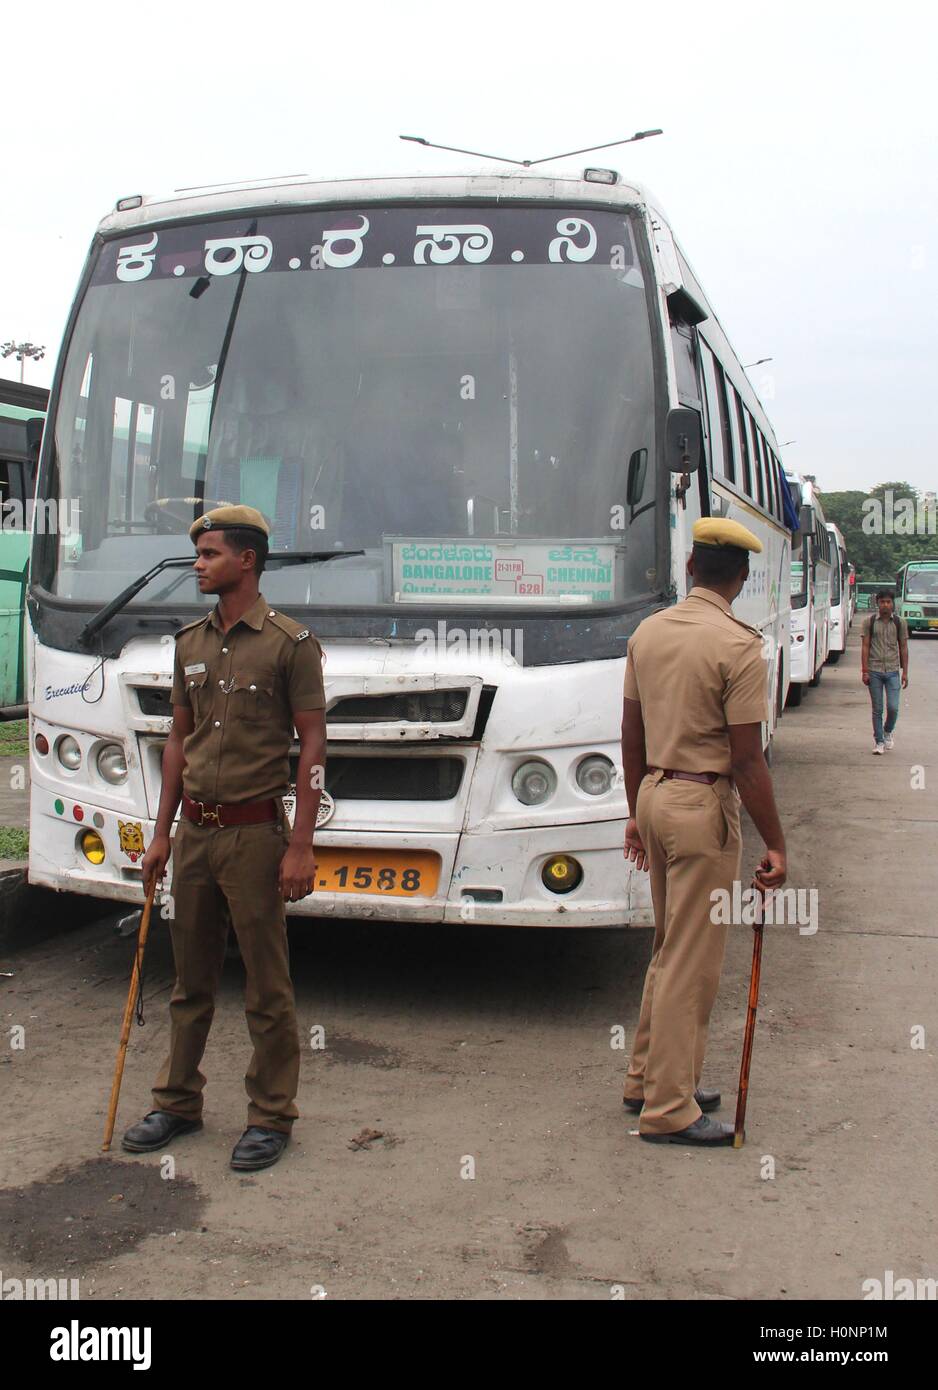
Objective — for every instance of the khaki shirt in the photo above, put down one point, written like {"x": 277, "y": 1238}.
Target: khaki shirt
{"x": 696, "y": 669}
{"x": 884, "y": 644}
{"x": 243, "y": 686}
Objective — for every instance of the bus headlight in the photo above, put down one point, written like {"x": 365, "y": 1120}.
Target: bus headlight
{"x": 561, "y": 874}
{"x": 595, "y": 775}
{"x": 112, "y": 764}
{"x": 534, "y": 782}
{"x": 68, "y": 753}
{"x": 92, "y": 847}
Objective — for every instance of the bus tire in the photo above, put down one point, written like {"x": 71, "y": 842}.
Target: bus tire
{"x": 795, "y": 694}
{"x": 834, "y": 658}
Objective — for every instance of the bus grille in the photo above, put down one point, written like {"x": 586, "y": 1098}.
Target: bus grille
{"x": 390, "y": 779}
{"x": 419, "y": 707}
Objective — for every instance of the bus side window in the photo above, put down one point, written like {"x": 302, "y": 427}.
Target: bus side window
{"x": 718, "y": 461}
{"x": 12, "y": 491}
{"x": 756, "y": 461}
{"x": 729, "y": 455}
{"x": 685, "y": 365}
{"x": 744, "y": 446}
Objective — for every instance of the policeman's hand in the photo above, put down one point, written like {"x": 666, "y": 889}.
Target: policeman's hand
{"x": 634, "y": 849}
{"x": 772, "y": 871}
{"x": 905, "y": 680}
{"x": 865, "y": 676}
{"x": 155, "y": 860}
{"x": 297, "y": 872}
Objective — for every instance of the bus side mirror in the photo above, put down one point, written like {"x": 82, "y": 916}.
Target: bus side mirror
{"x": 683, "y": 441}
{"x": 34, "y": 428}
{"x": 638, "y": 467}
{"x": 806, "y": 521}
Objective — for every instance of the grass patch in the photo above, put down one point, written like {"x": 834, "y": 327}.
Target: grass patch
{"x": 14, "y": 843}
{"x": 14, "y": 738}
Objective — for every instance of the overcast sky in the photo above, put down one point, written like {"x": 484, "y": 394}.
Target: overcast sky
{"x": 797, "y": 164}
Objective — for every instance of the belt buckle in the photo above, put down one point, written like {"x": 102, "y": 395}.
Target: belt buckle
{"x": 210, "y": 815}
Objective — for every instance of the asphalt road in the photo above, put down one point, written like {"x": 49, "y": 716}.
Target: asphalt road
{"x": 459, "y": 1044}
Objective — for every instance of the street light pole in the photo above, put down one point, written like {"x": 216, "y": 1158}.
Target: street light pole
{"x": 22, "y": 351}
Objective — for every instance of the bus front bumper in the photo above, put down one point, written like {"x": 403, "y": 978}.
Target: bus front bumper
{"x": 491, "y": 879}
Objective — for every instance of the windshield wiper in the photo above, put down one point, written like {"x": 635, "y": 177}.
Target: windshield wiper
{"x": 289, "y": 557}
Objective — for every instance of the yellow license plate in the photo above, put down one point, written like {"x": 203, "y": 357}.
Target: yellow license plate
{"x": 380, "y": 872}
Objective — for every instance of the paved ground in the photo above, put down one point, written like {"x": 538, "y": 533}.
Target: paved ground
{"x": 495, "y": 1046}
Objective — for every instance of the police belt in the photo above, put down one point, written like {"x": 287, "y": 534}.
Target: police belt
{"x": 234, "y": 813}
{"x": 708, "y": 777}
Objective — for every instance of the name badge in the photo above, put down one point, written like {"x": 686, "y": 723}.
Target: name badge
{"x": 195, "y": 670}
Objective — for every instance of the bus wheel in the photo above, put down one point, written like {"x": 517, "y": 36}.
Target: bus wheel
{"x": 795, "y": 694}
{"x": 834, "y": 657}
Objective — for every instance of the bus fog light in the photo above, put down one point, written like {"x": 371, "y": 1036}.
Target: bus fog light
{"x": 533, "y": 783}
{"x": 595, "y": 775}
{"x": 41, "y": 744}
{"x": 561, "y": 874}
{"x": 112, "y": 764}
{"x": 92, "y": 847}
{"x": 68, "y": 753}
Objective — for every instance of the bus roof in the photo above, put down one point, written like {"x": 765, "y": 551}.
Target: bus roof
{"x": 18, "y": 401}
{"x": 306, "y": 191}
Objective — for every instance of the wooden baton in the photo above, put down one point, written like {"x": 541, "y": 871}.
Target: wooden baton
{"x": 128, "y": 1015}
{"x": 743, "y": 1094}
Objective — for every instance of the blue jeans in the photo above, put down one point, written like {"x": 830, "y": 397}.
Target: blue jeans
{"x": 888, "y": 682}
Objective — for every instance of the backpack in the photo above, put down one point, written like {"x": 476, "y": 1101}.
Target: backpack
{"x": 874, "y": 617}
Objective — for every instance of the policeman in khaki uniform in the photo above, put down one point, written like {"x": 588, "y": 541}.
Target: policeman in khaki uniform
{"x": 694, "y": 705}
{"x": 244, "y": 676}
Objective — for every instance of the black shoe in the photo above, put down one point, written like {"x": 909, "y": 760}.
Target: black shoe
{"x": 155, "y": 1130}
{"x": 707, "y": 1100}
{"x": 258, "y": 1148}
{"x": 702, "y": 1131}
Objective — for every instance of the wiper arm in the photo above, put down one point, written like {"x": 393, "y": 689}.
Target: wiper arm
{"x": 289, "y": 557}
{"x": 307, "y": 557}
{"x": 95, "y": 624}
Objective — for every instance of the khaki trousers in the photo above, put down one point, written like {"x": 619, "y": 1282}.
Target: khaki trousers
{"x": 691, "y": 833}
{"x": 234, "y": 869}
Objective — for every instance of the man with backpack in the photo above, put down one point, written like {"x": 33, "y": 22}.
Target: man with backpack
{"x": 883, "y": 655}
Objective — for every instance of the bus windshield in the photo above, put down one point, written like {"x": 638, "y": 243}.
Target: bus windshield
{"x": 455, "y": 391}
{"x": 921, "y": 582}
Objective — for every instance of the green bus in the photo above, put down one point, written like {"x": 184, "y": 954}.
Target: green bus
{"x": 917, "y": 595}
{"x": 19, "y": 451}
{"x": 867, "y": 591}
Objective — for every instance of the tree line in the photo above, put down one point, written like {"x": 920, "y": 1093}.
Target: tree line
{"x": 882, "y": 538}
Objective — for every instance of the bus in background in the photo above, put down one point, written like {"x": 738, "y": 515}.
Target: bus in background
{"x": 482, "y": 414}
{"x": 851, "y": 591}
{"x": 19, "y": 452}
{"x": 917, "y": 595}
{"x": 867, "y": 589}
{"x": 840, "y": 595}
{"x": 810, "y": 589}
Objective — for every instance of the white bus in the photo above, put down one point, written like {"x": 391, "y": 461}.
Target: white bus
{"x": 810, "y": 589}
{"x": 480, "y": 399}
{"x": 841, "y": 614}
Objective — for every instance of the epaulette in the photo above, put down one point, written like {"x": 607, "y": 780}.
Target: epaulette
{"x": 289, "y": 626}
{"x": 748, "y": 626}
{"x": 189, "y": 626}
